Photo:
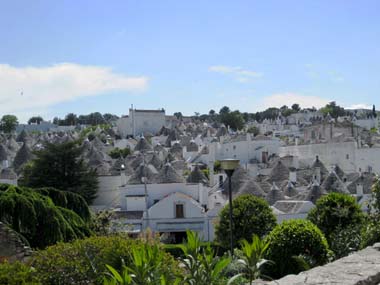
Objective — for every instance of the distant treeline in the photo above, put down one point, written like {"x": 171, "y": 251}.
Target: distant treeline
{"x": 93, "y": 119}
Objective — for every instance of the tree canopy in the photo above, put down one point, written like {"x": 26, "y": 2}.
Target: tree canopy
{"x": 251, "y": 215}
{"x": 34, "y": 215}
{"x": 61, "y": 166}
{"x": 8, "y": 123}
{"x": 35, "y": 120}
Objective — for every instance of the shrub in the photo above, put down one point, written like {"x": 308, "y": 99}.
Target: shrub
{"x": 295, "y": 245}
{"x": 84, "y": 261}
{"x": 370, "y": 232}
{"x": 340, "y": 218}
{"x": 17, "y": 273}
{"x": 34, "y": 215}
{"x": 335, "y": 211}
{"x": 251, "y": 215}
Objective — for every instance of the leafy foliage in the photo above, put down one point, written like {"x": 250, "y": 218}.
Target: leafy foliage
{"x": 251, "y": 215}
{"x": 146, "y": 267}
{"x": 37, "y": 218}
{"x": 8, "y": 123}
{"x": 340, "y": 218}
{"x": 335, "y": 210}
{"x": 61, "y": 166}
{"x": 35, "y": 120}
{"x": 233, "y": 119}
{"x": 84, "y": 261}
{"x": 333, "y": 109}
{"x": 253, "y": 130}
{"x": 117, "y": 152}
{"x": 201, "y": 265}
{"x": 17, "y": 273}
{"x": 252, "y": 258}
{"x": 295, "y": 245}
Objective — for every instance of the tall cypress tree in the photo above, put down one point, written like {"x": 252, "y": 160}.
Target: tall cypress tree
{"x": 62, "y": 167}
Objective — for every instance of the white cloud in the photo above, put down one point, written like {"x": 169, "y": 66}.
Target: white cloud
{"x": 360, "y": 106}
{"x": 281, "y": 99}
{"x": 240, "y": 74}
{"x": 32, "y": 89}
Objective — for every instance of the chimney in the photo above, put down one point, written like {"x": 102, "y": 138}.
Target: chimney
{"x": 317, "y": 175}
{"x": 5, "y": 164}
{"x": 359, "y": 189}
{"x": 293, "y": 176}
{"x": 211, "y": 173}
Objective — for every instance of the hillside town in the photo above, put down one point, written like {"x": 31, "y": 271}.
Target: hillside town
{"x": 171, "y": 181}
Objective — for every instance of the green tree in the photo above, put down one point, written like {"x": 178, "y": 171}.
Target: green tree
{"x": 253, "y": 130}
{"x": 61, "y": 166}
{"x": 35, "y": 120}
{"x": 224, "y": 110}
{"x": 178, "y": 115}
{"x": 335, "y": 210}
{"x": 35, "y": 216}
{"x": 296, "y": 107}
{"x": 340, "y": 218}
{"x": 294, "y": 246}
{"x": 233, "y": 119}
{"x": 118, "y": 152}
{"x": 251, "y": 215}
{"x": 83, "y": 261}
{"x": 8, "y": 123}
{"x": 71, "y": 119}
{"x": 333, "y": 109}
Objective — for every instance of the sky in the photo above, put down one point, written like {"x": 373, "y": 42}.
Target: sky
{"x": 186, "y": 56}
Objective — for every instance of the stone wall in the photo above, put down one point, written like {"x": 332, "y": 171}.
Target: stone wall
{"x": 11, "y": 246}
{"x": 360, "y": 268}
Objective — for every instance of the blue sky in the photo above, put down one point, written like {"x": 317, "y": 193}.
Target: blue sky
{"x": 190, "y": 56}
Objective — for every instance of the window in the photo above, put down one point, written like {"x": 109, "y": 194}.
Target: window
{"x": 179, "y": 213}
{"x": 347, "y": 156}
{"x": 234, "y": 147}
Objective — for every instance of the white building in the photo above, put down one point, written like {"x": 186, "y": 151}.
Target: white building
{"x": 169, "y": 208}
{"x": 141, "y": 121}
{"x": 247, "y": 150}
{"x": 347, "y": 155}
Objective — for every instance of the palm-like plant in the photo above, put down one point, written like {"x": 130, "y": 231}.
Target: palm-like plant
{"x": 201, "y": 265}
{"x": 145, "y": 269}
{"x": 252, "y": 258}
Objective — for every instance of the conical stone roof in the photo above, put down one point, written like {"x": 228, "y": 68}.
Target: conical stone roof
{"x": 239, "y": 177}
{"x": 147, "y": 171}
{"x": 279, "y": 173}
{"x": 274, "y": 195}
{"x": 192, "y": 147}
{"x": 197, "y": 176}
{"x": 315, "y": 192}
{"x": 143, "y": 145}
{"x": 289, "y": 189}
{"x": 22, "y": 157}
{"x": 169, "y": 175}
{"x": 156, "y": 161}
{"x": 251, "y": 187}
{"x": 332, "y": 183}
{"x": 323, "y": 169}
{"x": 3, "y": 153}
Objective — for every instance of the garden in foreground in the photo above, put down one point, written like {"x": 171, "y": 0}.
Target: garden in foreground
{"x": 72, "y": 246}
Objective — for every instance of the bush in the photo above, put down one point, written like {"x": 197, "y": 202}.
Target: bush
{"x": 251, "y": 215}
{"x": 335, "y": 211}
{"x": 340, "y": 218}
{"x": 294, "y": 246}
{"x": 84, "y": 261}
{"x": 370, "y": 232}
{"x": 17, "y": 273}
